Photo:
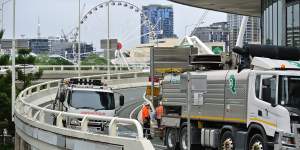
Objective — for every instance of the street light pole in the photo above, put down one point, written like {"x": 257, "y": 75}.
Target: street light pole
{"x": 79, "y": 44}
{"x": 13, "y": 63}
{"x": 189, "y": 97}
{"x": 108, "y": 43}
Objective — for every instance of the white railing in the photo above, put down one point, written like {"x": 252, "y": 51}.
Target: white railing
{"x": 4, "y": 67}
{"x": 85, "y": 67}
{"x": 88, "y": 67}
{"x": 30, "y": 113}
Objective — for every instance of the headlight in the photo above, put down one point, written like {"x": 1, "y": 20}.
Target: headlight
{"x": 75, "y": 122}
{"x": 288, "y": 140}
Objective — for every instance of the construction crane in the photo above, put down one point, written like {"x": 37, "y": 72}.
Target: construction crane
{"x": 201, "y": 20}
{"x": 72, "y": 35}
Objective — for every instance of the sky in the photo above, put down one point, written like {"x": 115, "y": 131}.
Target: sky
{"x": 58, "y": 15}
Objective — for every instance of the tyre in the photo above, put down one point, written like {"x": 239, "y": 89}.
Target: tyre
{"x": 170, "y": 139}
{"x": 183, "y": 139}
{"x": 183, "y": 143}
{"x": 257, "y": 142}
{"x": 227, "y": 141}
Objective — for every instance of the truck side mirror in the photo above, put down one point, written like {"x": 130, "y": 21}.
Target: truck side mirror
{"x": 121, "y": 100}
{"x": 273, "y": 102}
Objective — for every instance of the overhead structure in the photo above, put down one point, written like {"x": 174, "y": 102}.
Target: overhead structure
{"x": 243, "y": 7}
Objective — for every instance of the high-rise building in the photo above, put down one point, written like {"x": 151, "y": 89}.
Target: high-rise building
{"x": 280, "y": 19}
{"x": 39, "y": 46}
{"x": 161, "y": 17}
{"x": 216, "y": 32}
{"x": 253, "y": 30}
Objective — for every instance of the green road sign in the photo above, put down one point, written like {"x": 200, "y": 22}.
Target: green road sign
{"x": 217, "y": 49}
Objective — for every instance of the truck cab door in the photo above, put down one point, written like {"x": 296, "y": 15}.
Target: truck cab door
{"x": 261, "y": 106}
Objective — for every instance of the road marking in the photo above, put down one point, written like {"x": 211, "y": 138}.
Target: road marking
{"x": 123, "y": 108}
{"x": 131, "y": 113}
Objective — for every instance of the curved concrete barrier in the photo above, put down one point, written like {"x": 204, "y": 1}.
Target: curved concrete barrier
{"x": 33, "y": 125}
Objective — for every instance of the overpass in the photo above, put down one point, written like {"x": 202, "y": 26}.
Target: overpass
{"x": 68, "y": 71}
{"x": 36, "y": 130}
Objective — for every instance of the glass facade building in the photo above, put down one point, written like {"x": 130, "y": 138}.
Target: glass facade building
{"x": 162, "y": 18}
{"x": 252, "y": 33}
{"x": 216, "y": 32}
{"x": 280, "y": 22}
{"x": 39, "y": 46}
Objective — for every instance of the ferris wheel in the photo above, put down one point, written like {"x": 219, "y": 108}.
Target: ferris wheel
{"x": 128, "y": 28}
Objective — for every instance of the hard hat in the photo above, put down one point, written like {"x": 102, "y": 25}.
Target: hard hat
{"x": 160, "y": 103}
{"x": 146, "y": 103}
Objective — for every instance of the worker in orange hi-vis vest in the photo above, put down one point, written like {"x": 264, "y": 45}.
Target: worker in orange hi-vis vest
{"x": 159, "y": 112}
{"x": 146, "y": 120}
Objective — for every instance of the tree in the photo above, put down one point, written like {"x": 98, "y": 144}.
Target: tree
{"x": 24, "y": 58}
{"x": 4, "y": 60}
{"x": 46, "y": 60}
{"x": 94, "y": 59}
{"x": 5, "y": 95}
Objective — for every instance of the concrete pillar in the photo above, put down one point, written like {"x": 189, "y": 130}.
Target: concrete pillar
{"x": 17, "y": 141}
{"x": 22, "y": 144}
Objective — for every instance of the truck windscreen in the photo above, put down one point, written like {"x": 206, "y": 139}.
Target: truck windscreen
{"x": 91, "y": 100}
{"x": 289, "y": 91}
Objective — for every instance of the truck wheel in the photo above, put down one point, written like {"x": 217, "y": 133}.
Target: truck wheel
{"x": 183, "y": 139}
{"x": 171, "y": 136}
{"x": 257, "y": 142}
{"x": 227, "y": 141}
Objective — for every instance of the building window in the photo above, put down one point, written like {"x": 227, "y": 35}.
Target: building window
{"x": 272, "y": 22}
{"x": 293, "y": 27}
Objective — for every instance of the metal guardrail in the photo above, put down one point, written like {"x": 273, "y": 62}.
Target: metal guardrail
{"x": 85, "y": 67}
{"x": 24, "y": 110}
{"x": 88, "y": 67}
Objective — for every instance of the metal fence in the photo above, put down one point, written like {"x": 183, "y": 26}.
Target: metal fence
{"x": 6, "y": 139}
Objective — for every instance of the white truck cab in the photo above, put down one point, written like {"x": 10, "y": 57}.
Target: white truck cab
{"x": 87, "y": 97}
{"x": 274, "y": 100}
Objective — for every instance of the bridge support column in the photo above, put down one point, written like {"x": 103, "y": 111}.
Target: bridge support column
{"x": 17, "y": 141}
{"x": 20, "y": 144}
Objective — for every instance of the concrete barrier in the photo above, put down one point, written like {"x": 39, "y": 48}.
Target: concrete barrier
{"x": 33, "y": 129}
